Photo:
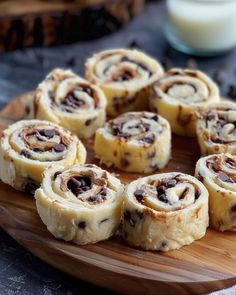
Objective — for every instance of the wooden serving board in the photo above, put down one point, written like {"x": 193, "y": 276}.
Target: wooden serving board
{"x": 206, "y": 265}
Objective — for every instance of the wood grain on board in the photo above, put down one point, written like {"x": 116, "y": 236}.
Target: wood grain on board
{"x": 204, "y": 266}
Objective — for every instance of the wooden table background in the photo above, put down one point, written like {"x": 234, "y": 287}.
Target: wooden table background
{"x": 20, "y": 71}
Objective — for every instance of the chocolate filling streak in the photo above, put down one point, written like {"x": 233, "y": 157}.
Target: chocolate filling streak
{"x": 45, "y": 142}
{"x": 212, "y": 164}
{"x": 161, "y": 188}
{"x": 127, "y": 74}
{"x": 79, "y": 185}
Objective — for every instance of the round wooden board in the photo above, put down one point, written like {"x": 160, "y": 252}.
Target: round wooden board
{"x": 204, "y": 266}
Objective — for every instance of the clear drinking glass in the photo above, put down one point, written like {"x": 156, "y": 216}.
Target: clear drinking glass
{"x": 201, "y": 27}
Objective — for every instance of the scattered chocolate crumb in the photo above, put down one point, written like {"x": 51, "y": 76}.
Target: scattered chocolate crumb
{"x": 191, "y": 64}
{"x": 232, "y": 91}
{"x": 82, "y": 224}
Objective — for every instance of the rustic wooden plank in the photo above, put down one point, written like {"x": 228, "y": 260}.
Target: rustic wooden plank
{"x": 204, "y": 266}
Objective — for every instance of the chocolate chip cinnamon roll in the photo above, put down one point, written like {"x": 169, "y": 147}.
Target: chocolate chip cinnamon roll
{"x": 218, "y": 173}
{"x": 179, "y": 94}
{"x": 216, "y": 128}
{"x": 165, "y": 211}
{"x": 82, "y": 204}
{"x": 134, "y": 142}
{"x": 70, "y": 101}
{"x": 125, "y": 77}
{"x": 27, "y": 148}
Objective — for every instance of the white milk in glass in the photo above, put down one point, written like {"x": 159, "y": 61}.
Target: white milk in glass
{"x": 203, "y": 26}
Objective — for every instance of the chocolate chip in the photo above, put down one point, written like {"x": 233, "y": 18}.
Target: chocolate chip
{"x": 197, "y": 194}
{"x": 58, "y": 148}
{"x": 151, "y": 155}
{"x": 233, "y": 208}
{"x": 221, "y": 122}
{"x": 37, "y": 150}
{"x": 191, "y": 64}
{"x": 134, "y": 44}
{"x": 139, "y": 195}
{"x": 164, "y": 244}
{"x": 88, "y": 122}
{"x": 103, "y": 192}
{"x": 219, "y": 76}
{"x": 170, "y": 182}
{"x": 200, "y": 177}
{"x": 155, "y": 118}
{"x": 232, "y": 91}
{"x": 148, "y": 139}
{"x": 217, "y": 140}
{"x": 25, "y": 154}
{"x": 82, "y": 224}
{"x": 161, "y": 190}
{"x": 56, "y": 174}
{"x": 72, "y": 101}
{"x": 162, "y": 198}
{"x": 124, "y": 162}
{"x": 146, "y": 126}
{"x": 49, "y": 133}
{"x": 128, "y": 217}
{"x": 77, "y": 185}
{"x": 224, "y": 177}
{"x": 30, "y": 187}
{"x": 125, "y": 76}
{"x": 94, "y": 198}
{"x": 211, "y": 115}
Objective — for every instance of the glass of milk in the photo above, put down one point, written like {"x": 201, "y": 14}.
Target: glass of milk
{"x": 202, "y": 27}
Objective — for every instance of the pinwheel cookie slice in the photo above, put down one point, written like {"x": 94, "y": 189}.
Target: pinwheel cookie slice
{"x": 218, "y": 173}
{"x": 82, "y": 204}
{"x": 165, "y": 211}
{"x": 134, "y": 142}
{"x": 216, "y": 128}
{"x": 70, "y": 101}
{"x": 27, "y": 148}
{"x": 125, "y": 77}
{"x": 179, "y": 94}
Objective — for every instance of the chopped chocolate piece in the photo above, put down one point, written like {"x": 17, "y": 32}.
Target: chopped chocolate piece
{"x": 49, "y": 133}
{"x": 128, "y": 217}
{"x": 224, "y": 177}
{"x": 56, "y": 174}
{"x": 58, "y": 148}
{"x": 134, "y": 44}
{"x": 25, "y": 153}
{"x": 30, "y": 187}
{"x": 164, "y": 244}
{"x": 139, "y": 195}
{"x": 148, "y": 139}
{"x": 82, "y": 224}
{"x": 161, "y": 190}
{"x": 233, "y": 208}
{"x": 232, "y": 91}
{"x": 211, "y": 115}
{"x": 219, "y": 76}
{"x": 155, "y": 118}
{"x": 191, "y": 64}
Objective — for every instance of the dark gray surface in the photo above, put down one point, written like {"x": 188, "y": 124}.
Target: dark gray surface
{"x": 20, "y": 71}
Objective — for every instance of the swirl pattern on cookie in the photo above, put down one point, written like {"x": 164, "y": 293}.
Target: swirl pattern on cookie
{"x": 218, "y": 173}
{"x": 179, "y": 94}
{"x": 125, "y": 77}
{"x": 165, "y": 211}
{"x": 216, "y": 128}
{"x": 27, "y": 148}
{"x": 134, "y": 142}
{"x": 70, "y": 101}
{"x": 82, "y": 203}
